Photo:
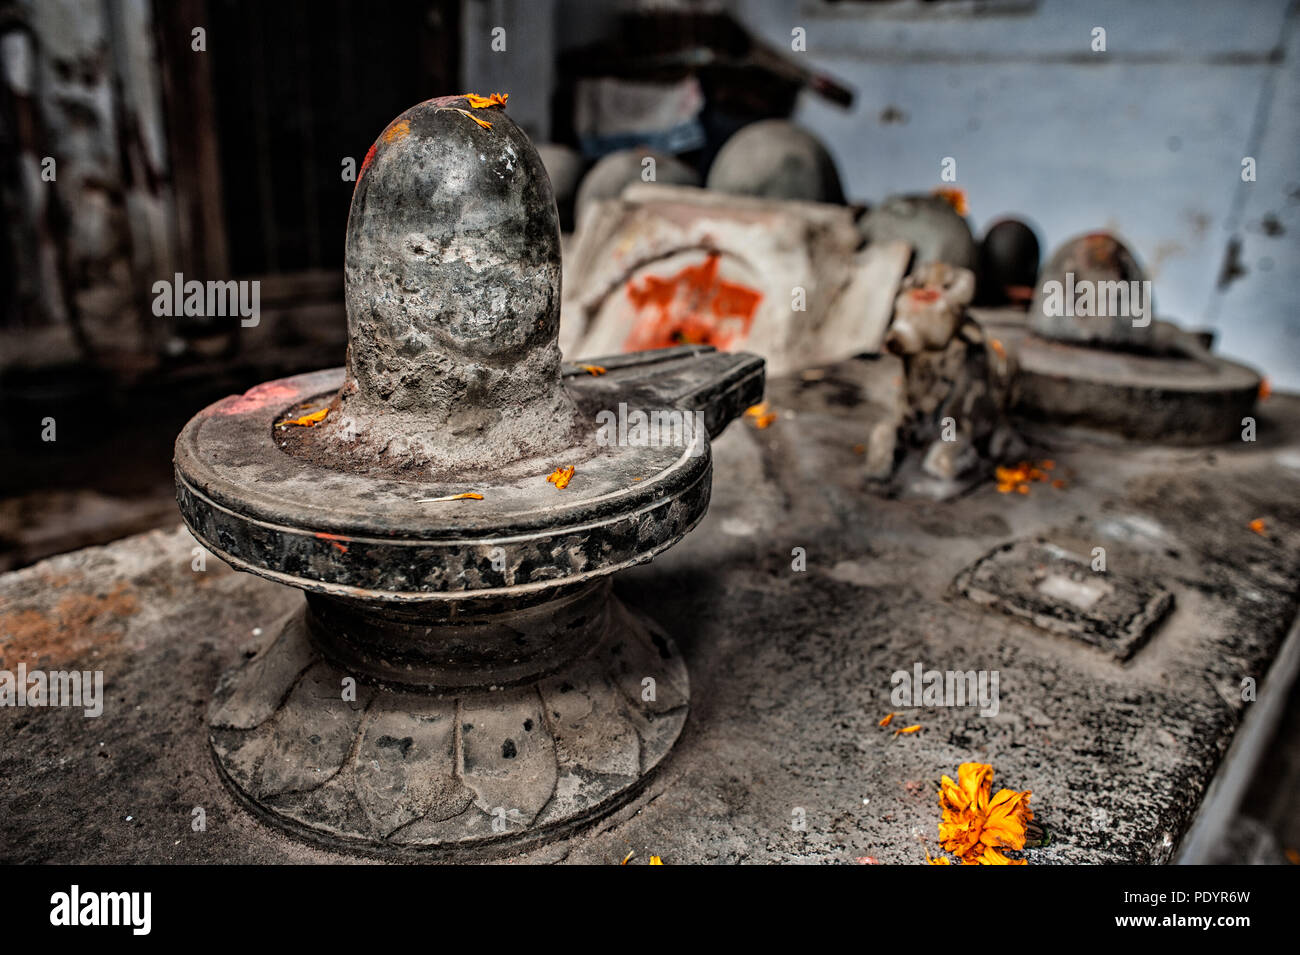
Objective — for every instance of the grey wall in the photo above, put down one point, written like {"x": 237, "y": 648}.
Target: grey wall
{"x": 1146, "y": 139}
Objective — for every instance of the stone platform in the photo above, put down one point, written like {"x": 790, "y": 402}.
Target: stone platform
{"x": 790, "y": 670}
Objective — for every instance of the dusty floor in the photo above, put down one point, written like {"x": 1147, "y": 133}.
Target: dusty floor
{"x": 790, "y": 670}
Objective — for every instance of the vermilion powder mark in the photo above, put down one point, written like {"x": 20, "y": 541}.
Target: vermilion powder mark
{"x": 335, "y": 539}
{"x": 370, "y": 157}
{"x": 256, "y": 398}
{"x": 693, "y": 307}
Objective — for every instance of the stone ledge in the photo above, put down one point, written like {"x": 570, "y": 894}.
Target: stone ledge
{"x": 791, "y": 670}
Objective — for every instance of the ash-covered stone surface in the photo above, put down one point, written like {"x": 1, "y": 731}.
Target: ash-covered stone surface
{"x": 782, "y": 758}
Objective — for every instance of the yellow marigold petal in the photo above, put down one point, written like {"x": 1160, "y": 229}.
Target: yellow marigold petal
{"x": 307, "y": 420}
{"x": 466, "y": 496}
{"x": 561, "y": 477}
{"x": 976, "y": 780}
{"x": 482, "y": 102}
{"x": 1008, "y": 815}
{"x": 464, "y": 112}
{"x": 761, "y": 415}
{"x": 992, "y": 856}
{"x": 888, "y": 718}
{"x": 907, "y": 729}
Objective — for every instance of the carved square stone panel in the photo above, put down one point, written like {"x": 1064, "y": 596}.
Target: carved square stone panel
{"x": 1058, "y": 591}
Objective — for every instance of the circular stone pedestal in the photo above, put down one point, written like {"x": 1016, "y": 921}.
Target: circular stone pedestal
{"x": 1166, "y": 399}
{"x": 312, "y": 747}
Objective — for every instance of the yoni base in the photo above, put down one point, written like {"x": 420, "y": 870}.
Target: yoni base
{"x": 343, "y": 761}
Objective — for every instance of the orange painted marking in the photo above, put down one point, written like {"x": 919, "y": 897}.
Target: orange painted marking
{"x": 692, "y": 307}
{"x": 256, "y": 398}
{"x": 397, "y": 131}
{"x": 365, "y": 163}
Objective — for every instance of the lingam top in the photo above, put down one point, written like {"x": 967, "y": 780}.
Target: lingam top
{"x": 452, "y": 277}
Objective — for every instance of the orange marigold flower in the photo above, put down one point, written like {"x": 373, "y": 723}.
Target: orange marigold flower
{"x": 976, "y": 826}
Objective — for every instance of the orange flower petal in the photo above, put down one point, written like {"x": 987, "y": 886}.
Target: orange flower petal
{"x": 307, "y": 420}
{"x": 954, "y": 197}
{"x": 561, "y": 477}
{"x": 466, "y": 496}
{"x": 482, "y": 102}
{"x": 761, "y": 415}
{"x": 889, "y": 718}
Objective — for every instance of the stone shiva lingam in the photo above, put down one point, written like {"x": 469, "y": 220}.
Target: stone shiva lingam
{"x": 1097, "y": 360}
{"x": 453, "y": 503}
